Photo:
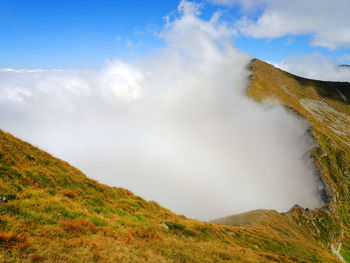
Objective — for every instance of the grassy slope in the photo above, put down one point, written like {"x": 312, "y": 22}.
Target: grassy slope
{"x": 247, "y": 218}
{"x": 325, "y": 105}
{"x": 54, "y": 213}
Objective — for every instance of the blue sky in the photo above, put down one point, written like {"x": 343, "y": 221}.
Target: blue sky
{"x": 83, "y": 34}
{"x": 171, "y": 99}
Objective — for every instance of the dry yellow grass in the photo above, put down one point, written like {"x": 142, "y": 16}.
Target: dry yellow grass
{"x": 326, "y": 106}
{"x": 54, "y": 213}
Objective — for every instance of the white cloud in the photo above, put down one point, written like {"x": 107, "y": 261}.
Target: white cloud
{"x": 175, "y": 127}
{"x": 315, "y": 66}
{"x": 120, "y": 81}
{"x": 326, "y": 20}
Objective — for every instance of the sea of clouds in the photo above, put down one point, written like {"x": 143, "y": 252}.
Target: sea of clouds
{"x": 175, "y": 126}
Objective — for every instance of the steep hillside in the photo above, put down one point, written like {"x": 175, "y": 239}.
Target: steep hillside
{"x": 326, "y": 106}
{"x": 51, "y": 212}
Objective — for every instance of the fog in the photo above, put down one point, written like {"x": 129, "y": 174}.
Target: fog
{"x": 175, "y": 126}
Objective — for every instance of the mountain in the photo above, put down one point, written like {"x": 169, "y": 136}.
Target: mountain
{"x": 344, "y": 66}
{"x": 51, "y": 212}
{"x": 326, "y": 106}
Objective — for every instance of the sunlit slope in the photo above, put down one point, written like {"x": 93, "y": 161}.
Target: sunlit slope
{"x": 326, "y": 106}
{"x": 51, "y": 212}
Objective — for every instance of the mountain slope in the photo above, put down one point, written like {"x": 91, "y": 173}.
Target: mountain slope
{"x": 51, "y": 212}
{"x": 326, "y": 106}
{"x": 252, "y": 217}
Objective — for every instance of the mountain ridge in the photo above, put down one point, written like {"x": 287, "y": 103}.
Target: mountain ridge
{"x": 329, "y": 116}
{"x": 50, "y": 211}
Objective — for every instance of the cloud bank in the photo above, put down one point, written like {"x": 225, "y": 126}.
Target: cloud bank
{"x": 327, "y": 21}
{"x": 315, "y": 66}
{"x": 175, "y": 127}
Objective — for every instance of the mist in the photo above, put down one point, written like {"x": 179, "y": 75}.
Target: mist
{"x": 174, "y": 126}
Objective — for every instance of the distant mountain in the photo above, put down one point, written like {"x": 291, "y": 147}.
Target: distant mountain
{"x": 51, "y": 212}
{"x": 344, "y": 66}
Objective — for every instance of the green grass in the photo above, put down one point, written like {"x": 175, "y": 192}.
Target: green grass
{"x": 320, "y": 103}
{"x": 55, "y": 213}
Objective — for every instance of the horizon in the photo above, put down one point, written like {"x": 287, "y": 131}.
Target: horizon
{"x": 148, "y": 111}
{"x": 145, "y": 131}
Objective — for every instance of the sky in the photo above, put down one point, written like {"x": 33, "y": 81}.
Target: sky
{"x": 150, "y": 96}
{"x": 84, "y": 34}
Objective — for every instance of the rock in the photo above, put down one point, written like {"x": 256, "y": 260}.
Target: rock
{"x": 326, "y": 208}
{"x": 296, "y": 206}
{"x": 232, "y": 233}
{"x": 7, "y": 198}
{"x": 164, "y": 225}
